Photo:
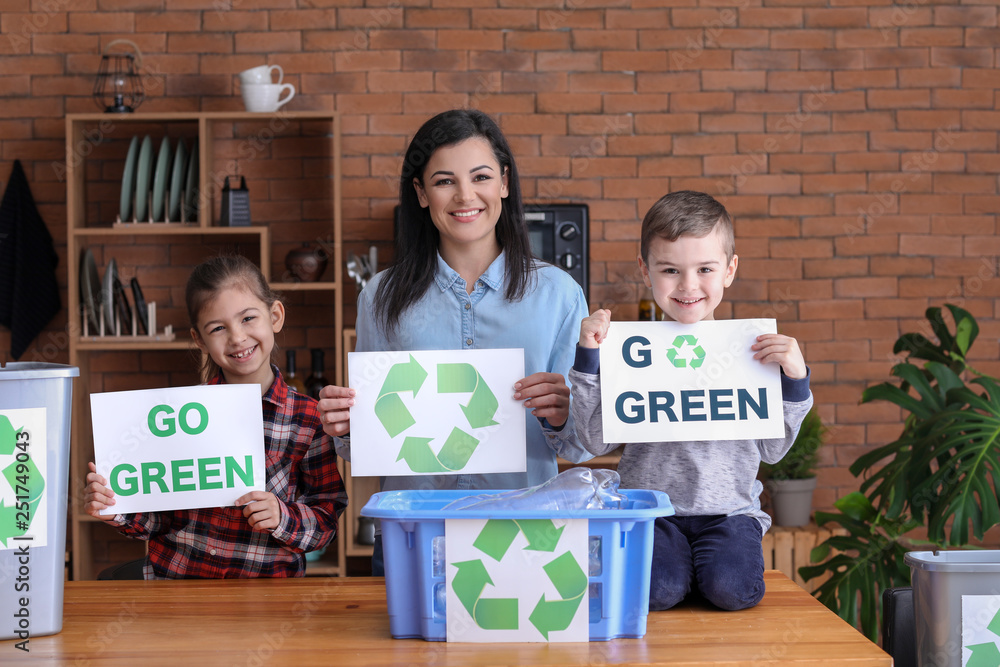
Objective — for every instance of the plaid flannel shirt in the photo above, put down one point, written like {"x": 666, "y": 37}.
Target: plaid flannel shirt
{"x": 219, "y": 543}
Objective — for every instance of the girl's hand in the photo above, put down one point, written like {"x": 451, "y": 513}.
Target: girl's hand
{"x": 780, "y": 349}
{"x": 335, "y": 409}
{"x": 547, "y": 395}
{"x": 262, "y": 510}
{"x": 97, "y": 495}
{"x": 594, "y": 329}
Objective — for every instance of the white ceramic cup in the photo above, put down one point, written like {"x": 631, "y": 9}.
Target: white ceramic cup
{"x": 260, "y": 74}
{"x": 265, "y": 97}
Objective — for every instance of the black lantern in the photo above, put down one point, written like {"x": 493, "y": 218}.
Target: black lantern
{"x": 118, "y": 88}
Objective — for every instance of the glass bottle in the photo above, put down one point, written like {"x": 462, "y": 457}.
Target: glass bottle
{"x": 649, "y": 311}
{"x": 292, "y": 378}
{"x": 316, "y": 379}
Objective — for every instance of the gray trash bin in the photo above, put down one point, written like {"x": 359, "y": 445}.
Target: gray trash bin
{"x": 35, "y": 409}
{"x": 941, "y": 579}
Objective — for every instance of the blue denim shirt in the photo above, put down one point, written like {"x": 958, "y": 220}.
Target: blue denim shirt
{"x": 545, "y": 323}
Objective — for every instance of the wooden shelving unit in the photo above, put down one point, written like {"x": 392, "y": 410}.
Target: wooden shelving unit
{"x": 294, "y": 156}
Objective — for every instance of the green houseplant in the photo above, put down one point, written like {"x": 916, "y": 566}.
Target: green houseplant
{"x": 792, "y": 480}
{"x": 942, "y": 472}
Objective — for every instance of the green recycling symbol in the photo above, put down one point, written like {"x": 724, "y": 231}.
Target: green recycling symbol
{"x": 679, "y": 344}
{"x": 408, "y": 377}
{"x": 26, "y": 482}
{"x": 986, "y": 654}
{"x": 489, "y": 613}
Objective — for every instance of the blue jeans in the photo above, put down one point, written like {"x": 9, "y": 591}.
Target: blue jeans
{"x": 716, "y": 557}
{"x": 378, "y": 562}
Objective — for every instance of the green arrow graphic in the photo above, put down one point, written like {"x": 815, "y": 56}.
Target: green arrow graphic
{"x": 496, "y": 537}
{"x": 463, "y": 378}
{"x": 35, "y": 484}
{"x": 983, "y": 655}
{"x": 488, "y": 613}
{"x": 498, "y": 534}
{"x": 389, "y": 407}
{"x": 571, "y": 582}
{"x": 8, "y": 436}
{"x": 457, "y": 451}
{"x": 994, "y": 625}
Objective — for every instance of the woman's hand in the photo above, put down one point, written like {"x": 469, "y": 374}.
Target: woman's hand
{"x": 547, "y": 394}
{"x": 335, "y": 409}
{"x": 262, "y": 510}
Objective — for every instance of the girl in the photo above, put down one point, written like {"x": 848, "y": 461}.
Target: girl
{"x": 464, "y": 278}
{"x": 234, "y": 316}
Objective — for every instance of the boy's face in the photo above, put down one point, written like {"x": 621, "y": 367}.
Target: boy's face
{"x": 688, "y": 276}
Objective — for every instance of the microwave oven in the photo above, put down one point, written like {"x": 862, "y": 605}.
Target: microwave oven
{"x": 559, "y": 235}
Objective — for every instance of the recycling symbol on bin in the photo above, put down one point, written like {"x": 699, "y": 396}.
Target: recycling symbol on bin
{"x": 24, "y": 479}
{"x": 416, "y": 451}
{"x": 987, "y": 653}
{"x": 680, "y": 361}
{"x": 499, "y": 613}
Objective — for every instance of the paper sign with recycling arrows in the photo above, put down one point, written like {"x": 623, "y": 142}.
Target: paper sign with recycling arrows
{"x": 436, "y": 412}
{"x": 23, "y": 476}
{"x": 668, "y": 382}
{"x": 980, "y": 630}
{"x": 511, "y": 580}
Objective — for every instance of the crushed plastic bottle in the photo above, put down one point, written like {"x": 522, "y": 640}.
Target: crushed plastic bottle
{"x": 440, "y": 602}
{"x": 574, "y": 489}
{"x": 594, "y": 556}
{"x": 437, "y": 556}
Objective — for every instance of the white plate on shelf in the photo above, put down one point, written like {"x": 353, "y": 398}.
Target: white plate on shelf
{"x": 160, "y": 179}
{"x": 128, "y": 180}
{"x": 177, "y": 182}
{"x": 108, "y": 297}
{"x": 144, "y": 170}
{"x": 191, "y": 185}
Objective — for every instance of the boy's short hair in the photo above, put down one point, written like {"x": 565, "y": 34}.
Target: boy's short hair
{"x": 686, "y": 213}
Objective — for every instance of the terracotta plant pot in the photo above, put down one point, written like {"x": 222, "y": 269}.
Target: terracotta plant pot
{"x": 791, "y": 500}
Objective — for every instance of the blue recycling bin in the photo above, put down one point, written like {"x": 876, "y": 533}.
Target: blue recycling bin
{"x": 35, "y": 411}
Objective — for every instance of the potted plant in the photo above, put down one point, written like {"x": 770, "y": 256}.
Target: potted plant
{"x": 791, "y": 480}
{"x": 940, "y": 473}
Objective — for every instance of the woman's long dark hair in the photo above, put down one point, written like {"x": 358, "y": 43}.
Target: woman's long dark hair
{"x": 417, "y": 238}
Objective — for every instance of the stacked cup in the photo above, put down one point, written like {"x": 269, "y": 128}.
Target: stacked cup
{"x": 260, "y": 92}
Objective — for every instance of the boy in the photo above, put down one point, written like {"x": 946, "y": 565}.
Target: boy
{"x": 712, "y": 545}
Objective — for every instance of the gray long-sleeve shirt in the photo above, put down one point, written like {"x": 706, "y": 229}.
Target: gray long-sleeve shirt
{"x": 707, "y": 477}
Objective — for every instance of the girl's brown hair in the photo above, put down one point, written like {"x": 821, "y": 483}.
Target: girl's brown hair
{"x": 211, "y": 277}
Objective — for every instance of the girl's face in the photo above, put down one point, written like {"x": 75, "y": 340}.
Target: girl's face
{"x": 237, "y": 330}
{"x": 463, "y": 189}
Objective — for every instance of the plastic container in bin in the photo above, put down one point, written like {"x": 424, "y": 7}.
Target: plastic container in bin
{"x": 940, "y": 580}
{"x": 413, "y": 528}
{"x": 35, "y": 400}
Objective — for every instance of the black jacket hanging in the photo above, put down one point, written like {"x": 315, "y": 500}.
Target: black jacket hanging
{"x": 29, "y": 292}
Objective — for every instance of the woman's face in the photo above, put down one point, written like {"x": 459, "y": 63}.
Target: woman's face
{"x": 463, "y": 189}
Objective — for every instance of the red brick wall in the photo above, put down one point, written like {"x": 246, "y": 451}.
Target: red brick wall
{"x": 854, "y": 141}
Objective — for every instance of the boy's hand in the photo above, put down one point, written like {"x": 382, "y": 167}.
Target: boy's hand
{"x": 97, "y": 495}
{"x": 547, "y": 395}
{"x": 780, "y": 349}
{"x": 594, "y": 329}
{"x": 262, "y": 510}
{"x": 335, "y": 409}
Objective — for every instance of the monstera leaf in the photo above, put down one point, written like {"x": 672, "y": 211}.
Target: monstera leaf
{"x": 867, "y": 558}
{"x": 942, "y": 472}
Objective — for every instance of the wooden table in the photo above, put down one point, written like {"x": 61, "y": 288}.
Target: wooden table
{"x": 344, "y": 622}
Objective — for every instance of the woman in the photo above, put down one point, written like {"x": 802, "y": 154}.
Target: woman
{"x": 464, "y": 278}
